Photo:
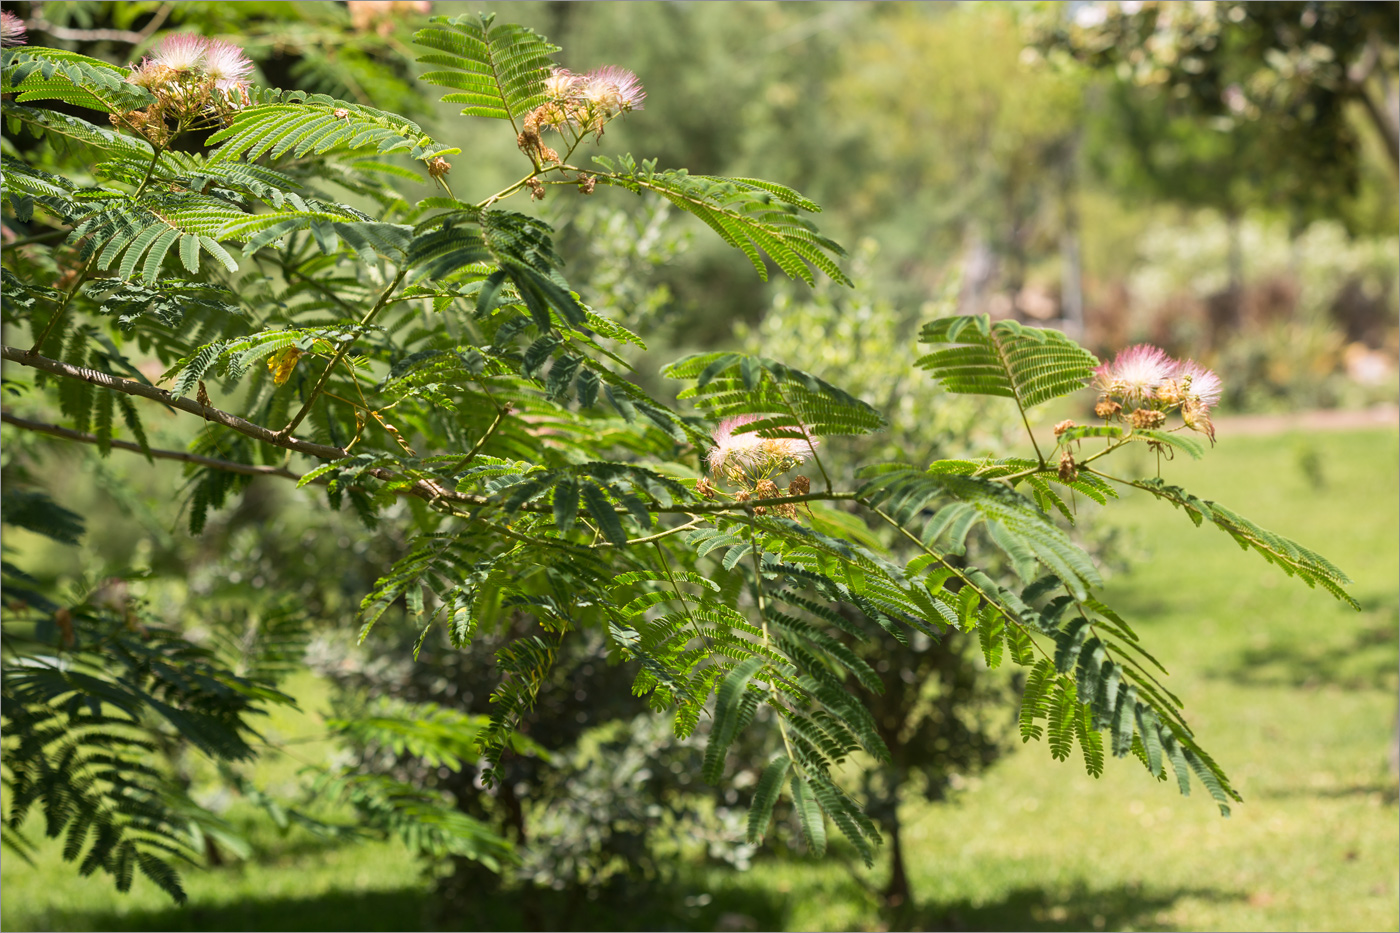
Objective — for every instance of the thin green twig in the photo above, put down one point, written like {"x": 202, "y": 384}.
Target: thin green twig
{"x": 340, "y": 352}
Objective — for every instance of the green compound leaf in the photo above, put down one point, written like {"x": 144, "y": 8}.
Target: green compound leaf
{"x": 495, "y": 71}
{"x": 755, "y": 217}
{"x": 1029, "y": 365}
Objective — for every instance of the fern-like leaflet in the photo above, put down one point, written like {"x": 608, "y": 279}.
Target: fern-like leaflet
{"x": 497, "y": 71}
{"x": 1028, "y": 365}
{"x": 292, "y": 123}
{"x": 754, "y": 217}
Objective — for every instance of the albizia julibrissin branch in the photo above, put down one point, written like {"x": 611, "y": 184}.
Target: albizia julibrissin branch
{"x": 423, "y": 489}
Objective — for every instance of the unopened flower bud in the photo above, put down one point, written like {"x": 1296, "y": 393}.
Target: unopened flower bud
{"x": 1068, "y": 470}
{"x": 1145, "y": 419}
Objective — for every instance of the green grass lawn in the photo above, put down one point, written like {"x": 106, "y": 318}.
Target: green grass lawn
{"x": 1294, "y": 694}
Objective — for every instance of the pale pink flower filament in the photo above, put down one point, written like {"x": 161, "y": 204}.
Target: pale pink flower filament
{"x": 733, "y": 453}
{"x": 1199, "y": 384}
{"x": 1135, "y": 374}
{"x": 613, "y": 90}
{"x": 224, "y": 62}
{"x": 743, "y": 457}
{"x": 12, "y": 31}
{"x": 183, "y": 52}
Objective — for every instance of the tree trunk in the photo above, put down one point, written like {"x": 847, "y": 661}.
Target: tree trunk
{"x": 1384, "y": 113}
{"x": 896, "y": 892}
{"x": 1072, "y": 265}
{"x": 531, "y": 915}
{"x": 1227, "y": 310}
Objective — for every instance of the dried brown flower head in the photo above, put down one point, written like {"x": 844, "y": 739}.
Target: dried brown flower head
{"x": 1107, "y": 409}
{"x": 1145, "y": 419}
{"x": 765, "y": 489}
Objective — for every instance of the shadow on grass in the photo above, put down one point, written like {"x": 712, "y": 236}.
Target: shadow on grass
{"x": 656, "y": 907}
{"x": 659, "y": 907}
{"x": 1365, "y": 661}
{"x": 1078, "y": 908}
{"x": 1387, "y": 791}
{"x": 337, "y": 910}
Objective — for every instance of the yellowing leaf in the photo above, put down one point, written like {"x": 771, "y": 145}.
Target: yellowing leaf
{"x": 281, "y": 364}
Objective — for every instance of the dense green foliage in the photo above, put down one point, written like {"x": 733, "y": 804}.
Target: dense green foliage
{"x": 272, "y": 266}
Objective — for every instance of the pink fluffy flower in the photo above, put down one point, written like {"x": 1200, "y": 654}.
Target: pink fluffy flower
{"x": 1198, "y": 384}
{"x": 613, "y": 89}
{"x": 733, "y": 452}
{"x": 225, "y": 63}
{"x": 11, "y": 30}
{"x": 182, "y": 52}
{"x": 1135, "y": 373}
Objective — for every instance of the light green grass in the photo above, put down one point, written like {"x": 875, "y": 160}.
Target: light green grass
{"x": 1294, "y": 694}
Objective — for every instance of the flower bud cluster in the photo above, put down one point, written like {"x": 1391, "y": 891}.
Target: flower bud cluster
{"x": 1148, "y": 384}
{"x": 191, "y": 77}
